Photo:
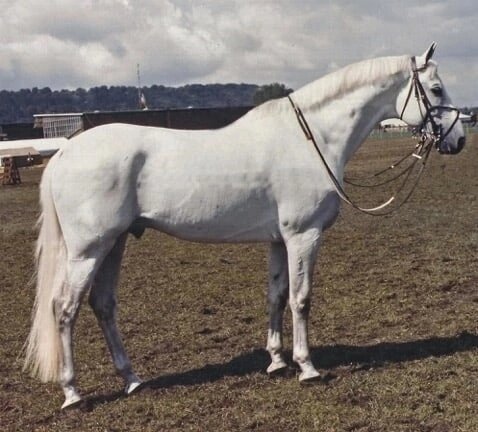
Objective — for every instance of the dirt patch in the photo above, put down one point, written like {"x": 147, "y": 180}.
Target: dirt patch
{"x": 393, "y": 322}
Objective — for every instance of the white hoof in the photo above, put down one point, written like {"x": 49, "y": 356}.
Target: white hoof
{"x": 309, "y": 376}
{"x": 71, "y": 401}
{"x": 132, "y": 387}
{"x": 277, "y": 368}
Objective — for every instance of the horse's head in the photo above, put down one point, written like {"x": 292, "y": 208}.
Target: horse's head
{"x": 424, "y": 103}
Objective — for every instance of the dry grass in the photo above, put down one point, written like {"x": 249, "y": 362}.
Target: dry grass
{"x": 393, "y": 324}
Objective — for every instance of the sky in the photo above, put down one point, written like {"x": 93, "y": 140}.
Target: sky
{"x": 86, "y": 43}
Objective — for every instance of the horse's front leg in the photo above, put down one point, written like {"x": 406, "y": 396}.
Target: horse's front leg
{"x": 302, "y": 252}
{"x": 277, "y": 299}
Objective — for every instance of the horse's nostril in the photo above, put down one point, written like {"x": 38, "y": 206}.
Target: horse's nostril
{"x": 459, "y": 146}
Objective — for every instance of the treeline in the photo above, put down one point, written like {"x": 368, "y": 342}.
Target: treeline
{"x": 19, "y": 106}
{"x": 469, "y": 110}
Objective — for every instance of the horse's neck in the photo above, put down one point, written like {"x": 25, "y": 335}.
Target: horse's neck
{"x": 343, "y": 123}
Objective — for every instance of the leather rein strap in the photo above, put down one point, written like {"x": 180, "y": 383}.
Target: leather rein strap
{"x": 421, "y": 152}
{"x": 340, "y": 190}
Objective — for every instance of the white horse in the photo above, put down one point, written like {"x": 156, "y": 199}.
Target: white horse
{"x": 256, "y": 180}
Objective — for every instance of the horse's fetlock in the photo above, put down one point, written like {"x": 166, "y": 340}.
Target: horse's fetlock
{"x": 301, "y": 358}
{"x": 123, "y": 368}
{"x": 67, "y": 378}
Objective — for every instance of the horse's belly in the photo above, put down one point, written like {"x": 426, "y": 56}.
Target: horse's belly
{"x": 217, "y": 229}
{"x": 220, "y": 216}
{"x": 218, "y": 232}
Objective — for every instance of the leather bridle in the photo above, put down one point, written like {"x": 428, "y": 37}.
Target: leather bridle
{"x": 436, "y": 133}
{"x": 421, "y": 153}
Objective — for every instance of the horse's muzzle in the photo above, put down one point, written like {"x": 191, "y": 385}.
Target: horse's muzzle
{"x": 453, "y": 150}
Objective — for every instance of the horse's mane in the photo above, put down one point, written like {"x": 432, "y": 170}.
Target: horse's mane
{"x": 342, "y": 81}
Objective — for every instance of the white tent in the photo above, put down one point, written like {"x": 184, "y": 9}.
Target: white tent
{"x": 465, "y": 118}
{"x": 45, "y": 146}
{"x": 393, "y": 123}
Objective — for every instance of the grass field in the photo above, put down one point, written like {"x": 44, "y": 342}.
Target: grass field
{"x": 393, "y": 323}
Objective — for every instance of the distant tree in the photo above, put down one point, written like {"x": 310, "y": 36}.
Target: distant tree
{"x": 270, "y": 91}
{"x": 20, "y": 105}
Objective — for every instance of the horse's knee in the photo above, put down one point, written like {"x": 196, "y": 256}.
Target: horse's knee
{"x": 300, "y": 305}
{"x": 278, "y": 292}
{"x": 277, "y": 300}
{"x": 279, "y": 278}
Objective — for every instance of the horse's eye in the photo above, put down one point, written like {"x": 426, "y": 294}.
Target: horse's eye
{"x": 437, "y": 91}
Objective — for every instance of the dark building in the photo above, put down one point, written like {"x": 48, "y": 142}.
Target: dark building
{"x": 194, "y": 118}
{"x": 65, "y": 125}
{"x": 19, "y": 131}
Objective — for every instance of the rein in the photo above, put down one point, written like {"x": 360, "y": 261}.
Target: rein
{"x": 338, "y": 187}
{"x": 417, "y": 153}
{"x": 420, "y": 153}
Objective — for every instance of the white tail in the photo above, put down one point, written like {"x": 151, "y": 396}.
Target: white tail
{"x": 44, "y": 350}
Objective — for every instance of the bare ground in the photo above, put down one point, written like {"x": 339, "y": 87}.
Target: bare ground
{"x": 393, "y": 323}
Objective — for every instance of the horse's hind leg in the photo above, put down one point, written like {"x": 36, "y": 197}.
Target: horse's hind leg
{"x": 66, "y": 306}
{"x": 277, "y": 299}
{"x": 103, "y": 301}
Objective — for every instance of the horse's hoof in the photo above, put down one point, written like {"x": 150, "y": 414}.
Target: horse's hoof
{"x": 277, "y": 368}
{"x": 72, "y": 402}
{"x": 309, "y": 377}
{"x": 133, "y": 387}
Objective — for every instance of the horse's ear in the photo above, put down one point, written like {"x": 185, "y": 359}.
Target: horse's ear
{"x": 426, "y": 56}
{"x": 429, "y": 52}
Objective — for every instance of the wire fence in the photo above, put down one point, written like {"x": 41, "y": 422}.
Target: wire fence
{"x": 405, "y": 132}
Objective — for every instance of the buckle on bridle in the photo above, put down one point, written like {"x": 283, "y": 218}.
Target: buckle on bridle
{"x": 436, "y": 134}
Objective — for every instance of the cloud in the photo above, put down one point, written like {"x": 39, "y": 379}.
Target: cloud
{"x": 66, "y": 43}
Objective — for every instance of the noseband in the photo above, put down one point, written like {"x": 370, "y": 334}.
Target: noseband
{"x": 436, "y": 133}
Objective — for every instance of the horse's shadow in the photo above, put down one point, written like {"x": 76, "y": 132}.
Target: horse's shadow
{"x": 326, "y": 357}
